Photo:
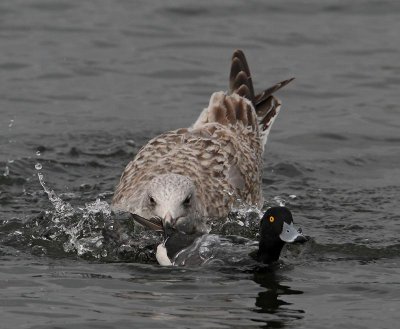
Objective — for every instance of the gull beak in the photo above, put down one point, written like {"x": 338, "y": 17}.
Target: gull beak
{"x": 169, "y": 219}
{"x": 168, "y": 223}
{"x": 291, "y": 234}
{"x": 154, "y": 224}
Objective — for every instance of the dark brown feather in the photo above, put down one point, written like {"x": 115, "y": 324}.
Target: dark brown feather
{"x": 241, "y": 112}
{"x": 264, "y": 122}
{"x": 236, "y": 67}
{"x": 219, "y": 115}
{"x": 239, "y": 55}
{"x": 268, "y": 92}
{"x": 240, "y": 75}
{"x": 230, "y": 110}
{"x": 243, "y": 90}
{"x": 263, "y": 107}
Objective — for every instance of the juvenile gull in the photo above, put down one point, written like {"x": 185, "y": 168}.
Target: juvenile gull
{"x": 187, "y": 175}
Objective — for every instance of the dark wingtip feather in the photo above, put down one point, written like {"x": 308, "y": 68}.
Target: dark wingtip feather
{"x": 240, "y": 83}
{"x": 268, "y": 112}
{"x": 268, "y": 92}
{"x": 240, "y": 75}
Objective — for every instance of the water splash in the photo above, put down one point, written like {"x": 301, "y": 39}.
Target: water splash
{"x": 38, "y": 165}
{"x": 6, "y": 171}
{"x": 91, "y": 231}
{"x": 242, "y": 220}
{"x": 84, "y": 231}
{"x": 212, "y": 249}
{"x": 78, "y": 228}
{"x": 7, "y": 168}
{"x": 10, "y": 125}
{"x": 60, "y": 206}
{"x": 280, "y": 200}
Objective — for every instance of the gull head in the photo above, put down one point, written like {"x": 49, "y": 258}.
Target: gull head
{"x": 173, "y": 198}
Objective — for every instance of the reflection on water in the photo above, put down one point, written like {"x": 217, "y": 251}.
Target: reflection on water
{"x": 272, "y": 301}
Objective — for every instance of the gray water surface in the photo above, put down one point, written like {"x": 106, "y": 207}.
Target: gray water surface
{"x": 84, "y": 84}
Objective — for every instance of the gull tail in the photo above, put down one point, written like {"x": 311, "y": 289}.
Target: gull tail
{"x": 241, "y": 105}
{"x": 266, "y": 105}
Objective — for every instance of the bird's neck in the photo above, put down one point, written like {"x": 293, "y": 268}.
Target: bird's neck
{"x": 269, "y": 250}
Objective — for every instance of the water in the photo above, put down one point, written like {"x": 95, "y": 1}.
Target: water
{"x": 85, "y": 84}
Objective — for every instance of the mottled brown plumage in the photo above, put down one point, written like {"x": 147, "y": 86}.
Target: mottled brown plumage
{"x": 214, "y": 163}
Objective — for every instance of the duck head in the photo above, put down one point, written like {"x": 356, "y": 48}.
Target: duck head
{"x": 276, "y": 229}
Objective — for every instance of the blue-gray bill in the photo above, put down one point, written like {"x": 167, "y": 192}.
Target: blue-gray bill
{"x": 291, "y": 234}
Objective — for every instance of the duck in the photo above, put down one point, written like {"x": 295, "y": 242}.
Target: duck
{"x": 179, "y": 248}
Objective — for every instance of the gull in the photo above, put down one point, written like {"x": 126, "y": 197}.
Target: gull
{"x": 188, "y": 175}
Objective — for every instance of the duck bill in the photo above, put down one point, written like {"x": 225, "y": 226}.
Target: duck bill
{"x": 291, "y": 234}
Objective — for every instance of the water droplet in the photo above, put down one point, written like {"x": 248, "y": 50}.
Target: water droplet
{"x": 40, "y": 175}
{"x": 6, "y": 171}
{"x": 38, "y": 166}
{"x": 38, "y": 153}
{"x": 130, "y": 142}
{"x": 280, "y": 201}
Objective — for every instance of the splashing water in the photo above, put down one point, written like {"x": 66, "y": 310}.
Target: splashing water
{"x": 7, "y": 168}
{"x": 280, "y": 201}
{"x": 243, "y": 220}
{"x": 80, "y": 229}
{"x": 60, "y": 206}
{"x": 212, "y": 249}
{"x": 38, "y": 165}
{"x": 6, "y": 171}
{"x": 85, "y": 234}
{"x": 92, "y": 231}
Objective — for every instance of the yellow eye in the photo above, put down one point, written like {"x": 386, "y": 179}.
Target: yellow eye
{"x": 271, "y": 219}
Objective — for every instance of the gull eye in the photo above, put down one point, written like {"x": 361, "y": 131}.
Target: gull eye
{"x": 186, "y": 202}
{"x": 271, "y": 219}
{"x": 152, "y": 201}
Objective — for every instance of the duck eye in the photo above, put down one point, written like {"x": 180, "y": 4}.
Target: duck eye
{"x": 271, "y": 219}
{"x": 186, "y": 202}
